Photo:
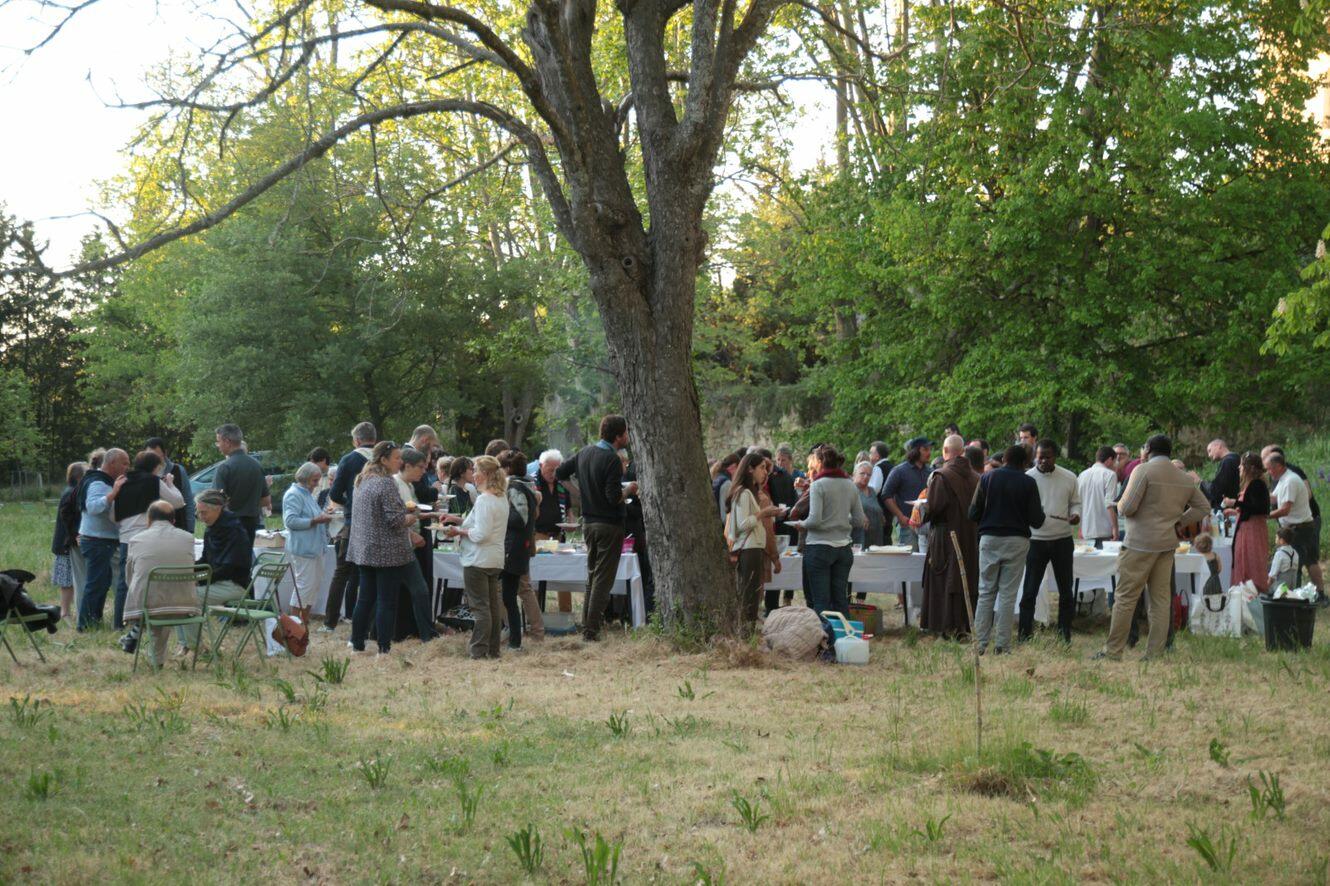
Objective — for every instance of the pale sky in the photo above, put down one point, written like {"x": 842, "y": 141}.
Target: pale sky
{"x": 65, "y": 139}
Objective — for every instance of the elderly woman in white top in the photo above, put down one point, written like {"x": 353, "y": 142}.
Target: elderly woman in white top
{"x": 482, "y": 534}
{"x": 306, "y": 535}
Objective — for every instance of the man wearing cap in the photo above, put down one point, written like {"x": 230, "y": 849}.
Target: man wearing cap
{"x": 904, "y": 484}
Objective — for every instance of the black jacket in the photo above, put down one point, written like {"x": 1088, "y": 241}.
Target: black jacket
{"x": 141, "y": 489}
{"x": 227, "y": 549}
{"x": 519, "y": 539}
{"x": 599, "y": 478}
{"x": 66, "y": 522}
{"x": 344, "y": 487}
{"x": 1006, "y": 502}
{"x": 1225, "y": 483}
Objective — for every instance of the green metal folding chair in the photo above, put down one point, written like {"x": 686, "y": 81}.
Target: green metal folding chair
{"x": 193, "y": 575}
{"x": 253, "y": 610}
{"x": 13, "y": 619}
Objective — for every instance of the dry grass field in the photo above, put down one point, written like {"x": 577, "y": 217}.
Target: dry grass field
{"x": 710, "y": 767}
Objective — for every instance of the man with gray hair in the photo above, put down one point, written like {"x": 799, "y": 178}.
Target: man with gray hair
{"x": 99, "y": 534}
{"x": 346, "y": 577}
{"x": 161, "y": 544}
{"x": 240, "y": 478}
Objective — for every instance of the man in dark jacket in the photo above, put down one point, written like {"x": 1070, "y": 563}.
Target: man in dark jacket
{"x": 1006, "y": 506}
{"x": 599, "y": 474}
{"x": 184, "y": 517}
{"x": 346, "y": 577}
{"x": 1226, "y": 481}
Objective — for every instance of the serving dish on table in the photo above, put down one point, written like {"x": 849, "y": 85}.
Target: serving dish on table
{"x": 889, "y": 549}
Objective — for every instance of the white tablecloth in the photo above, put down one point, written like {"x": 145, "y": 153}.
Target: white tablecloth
{"x": 560, "y": 572}
{"x": 887, "y": 573}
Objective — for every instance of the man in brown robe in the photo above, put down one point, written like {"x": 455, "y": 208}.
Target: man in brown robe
{"x": 950, "y": 490}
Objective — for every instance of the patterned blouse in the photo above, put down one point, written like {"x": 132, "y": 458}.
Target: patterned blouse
{"x": 379, "y": 534}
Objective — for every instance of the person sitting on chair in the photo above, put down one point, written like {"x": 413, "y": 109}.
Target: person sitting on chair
{"x": 160, "y": 544}
{"x": 227, "y": 549}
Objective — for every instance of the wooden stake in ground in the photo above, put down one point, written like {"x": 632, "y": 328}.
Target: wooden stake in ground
{"x": 974, "y": 646}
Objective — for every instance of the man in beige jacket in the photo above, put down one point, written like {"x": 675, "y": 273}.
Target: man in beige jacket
{"x": 1158, "y": 497}
{"x": 161, "y": 544}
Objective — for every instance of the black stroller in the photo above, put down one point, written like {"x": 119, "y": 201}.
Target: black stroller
{"x": 20, "y": 610}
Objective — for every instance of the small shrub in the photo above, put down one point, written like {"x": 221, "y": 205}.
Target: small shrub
{"x": 1219, "y": 856}
{"x": 331, "y": 670}
{"x": 619, "y": 725}
{"x": 529, "y": 848}
{"x": 375, "y": 772}
{"x": 705, "y": 876}
{"x": 600, "y": 859}
{"x": 501, "y": 754}
{"x": 932, "y": 831}
{"x": 750, "y": 814}
{"x": 285, "y": 688}
{"x": 468, "y": 798}
{"x": 279, "y": 719}
{"x": 28, "y": 711}
{"x": 683, "y": 725}
{"x": 1269, "y": 797}
{"x": 1219, "y": 752}
{"x": 1070, "y": 711}
{"x": 40, "y": 785}
{"x": 453, "y": 767}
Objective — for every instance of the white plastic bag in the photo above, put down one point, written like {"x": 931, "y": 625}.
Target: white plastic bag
{"x": 1218, "y": 615}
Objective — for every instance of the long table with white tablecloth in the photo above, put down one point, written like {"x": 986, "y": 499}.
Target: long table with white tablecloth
{"x": 557, "y": 572}
{"x": 902, "y": 573}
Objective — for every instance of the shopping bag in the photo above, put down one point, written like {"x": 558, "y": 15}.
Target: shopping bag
{"x": 1218, "y": 615}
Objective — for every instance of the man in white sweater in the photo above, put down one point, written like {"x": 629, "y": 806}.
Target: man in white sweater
{"x": 1053, "y": 542}
{"x": 1098, "y": 487}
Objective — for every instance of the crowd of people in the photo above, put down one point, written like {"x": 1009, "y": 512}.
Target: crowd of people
{"x": 989, "y": 523}
{"x": 119, "y": 518}
{"x": 1001, "y": 519}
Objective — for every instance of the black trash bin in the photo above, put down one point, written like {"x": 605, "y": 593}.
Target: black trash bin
{"x": 1288, "y": 624}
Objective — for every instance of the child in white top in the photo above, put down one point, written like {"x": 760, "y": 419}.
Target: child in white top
{"x": 1284, "y": 564}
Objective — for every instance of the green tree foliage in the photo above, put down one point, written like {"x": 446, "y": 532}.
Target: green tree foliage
{"x": 1083, "y": 218}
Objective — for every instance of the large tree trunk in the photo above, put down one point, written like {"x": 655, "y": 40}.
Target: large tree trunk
{"x": 651, "y": 359}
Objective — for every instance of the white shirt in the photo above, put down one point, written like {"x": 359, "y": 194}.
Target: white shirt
{"x": 487, "y": 524}
{"x": 1060, "y": 498}
{"x": 876, "y": 478}
{"x": 1284, "y": 564}
{"x": 1290, "y": 488}
{"x": 404, "y": 489}
{"x": 1097, "y": 486}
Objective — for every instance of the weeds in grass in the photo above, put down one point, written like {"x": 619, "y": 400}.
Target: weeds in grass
{"x": 1219, "y": 752}
{"x": 1074, "y": 712}
{"x": 619, "y": 725}
{"x": 237, "y": 679}
{"x": 1267, "y": 798}
{"x": 28, "y": 711}
{"x": 468, "y": 798}
{"x": 501, "y": 754}
{"x": 932, "y": 830}
{"x": 1017, "y": 687}
{"x": 529, "y": 848}
{"x": 705, "y": 876}
{"x": 498, "y": 712}
{"x": 1023, "y": 770}
{"x": 158, "y": 722}
{"x": 683, "y": 725}
{"x": 750, "y": 814}
{"x": 280, "y": 719}
{"x": 687, "y": 693}
{"x": 1218, "y": 856}
{"x": 453, "y": 767}
{"x": 375, "y": 772}
{"x": 285, "y": 688}
{"x": 331, "y": 670}
{"x": 1151, "y": 758}
{"x": 40, "y": 785}
{"x": 600, "y": 858}
{"x": 317, "y": 700}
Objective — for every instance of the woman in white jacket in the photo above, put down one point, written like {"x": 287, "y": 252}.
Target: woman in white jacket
{"x": 482, "y": 534}
{"x": 746, "y": 534}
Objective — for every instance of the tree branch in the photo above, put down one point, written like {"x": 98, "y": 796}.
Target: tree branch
{"x": 320, "y": 146}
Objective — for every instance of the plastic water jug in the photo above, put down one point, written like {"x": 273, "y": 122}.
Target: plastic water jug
{"x": 851, "y": 648}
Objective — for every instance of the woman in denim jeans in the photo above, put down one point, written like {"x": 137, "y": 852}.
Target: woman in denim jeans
{"x": 833, "y": 512}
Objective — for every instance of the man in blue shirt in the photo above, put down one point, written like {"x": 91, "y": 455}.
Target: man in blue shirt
{"x": 99, "y": 535}
{"x": 905, "y": 484}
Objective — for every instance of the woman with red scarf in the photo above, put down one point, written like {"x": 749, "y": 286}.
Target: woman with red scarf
{"x": 833, "y": 512}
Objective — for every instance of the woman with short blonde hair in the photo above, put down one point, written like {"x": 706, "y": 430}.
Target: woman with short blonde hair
{"x": 482, "y": 533}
